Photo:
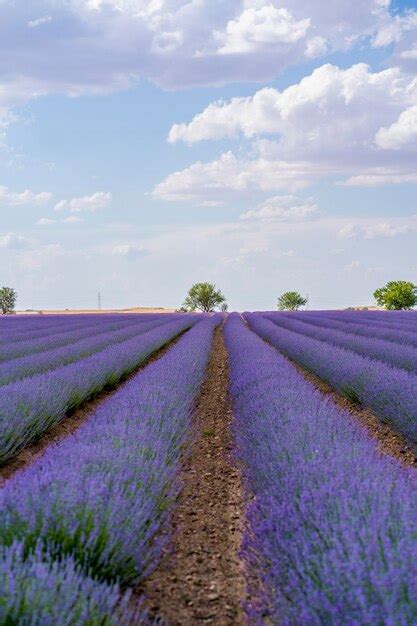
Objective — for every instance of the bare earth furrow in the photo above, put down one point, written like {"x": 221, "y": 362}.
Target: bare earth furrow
{"x": 200, "y": 579}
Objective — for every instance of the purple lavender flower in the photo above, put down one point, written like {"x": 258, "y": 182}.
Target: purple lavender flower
{"x": 331, "y": 533}
{"x": 101, "y": 495}
{"x": 389, "y": 391}
{"x": 30, "y": 406}
{"x": 38, "y": 591}
{"x": 389, "y": 352}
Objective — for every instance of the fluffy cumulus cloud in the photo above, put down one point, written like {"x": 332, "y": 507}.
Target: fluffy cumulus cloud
{"x": 331, "y": 109}
{"x": 348, "y": 123}
{"x": 84, "y": 46}
{"x": 376, "y": 176}
{"x": 258, "y": 28}
{"x": 401, "y": 133}
{"x": 78, "y": 47}
{"x": 129, "y": 251}
{"x": 373, "y": 229}
{"x": 230, "y": 176}
{"x": 316, "y": 47}
{"x": 14, "y": 241}
{"x": 85, "y": 204}
{"x": 40, "y": 21}
{"x": 27, "y": 197}
{"x": 71, "y": 219}
{"x": 395, "y": 29}
{"x": 285, "y": 208}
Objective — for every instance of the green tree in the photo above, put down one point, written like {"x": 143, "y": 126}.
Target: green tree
{"x": 205, "y": 297}
{"x": 397, "y": 295}
{"x": 7, "y": 299}
{"x": 291, "y": 301}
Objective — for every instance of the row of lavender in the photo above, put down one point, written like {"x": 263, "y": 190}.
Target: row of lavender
{"x": 14, "y": 346}
{"x": 389, "y": 391}
{"x": 395, "y": 353}
{"x": 97, "y": 340}
{"x": 375, "y": 318}
{"x": 331, "y": 528}
{"x": 360, "y": 327}
{"x": 32, "y": 405}
{"x": 19, "y": 328}
{"x": 78, "y": 528}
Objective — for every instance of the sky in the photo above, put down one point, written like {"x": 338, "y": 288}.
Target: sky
{"x": 262, "y": 145}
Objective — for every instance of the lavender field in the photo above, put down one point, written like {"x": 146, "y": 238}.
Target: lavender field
{"x": 255, "y": 468}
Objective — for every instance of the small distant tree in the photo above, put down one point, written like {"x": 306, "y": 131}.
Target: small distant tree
{"x": 291, "y": 301}
{"x": 8, "y": 298}
{"x": 397, "y": 295}
{"x": 204, "y": 297}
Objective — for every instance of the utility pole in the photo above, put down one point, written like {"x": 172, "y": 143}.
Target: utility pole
{"x": 99, "y": 301}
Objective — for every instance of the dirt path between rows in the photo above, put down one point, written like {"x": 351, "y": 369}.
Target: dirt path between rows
{"x": 200, "y": 579}
{"x": 72, "y": 421}
{"x": 389, "y": 442}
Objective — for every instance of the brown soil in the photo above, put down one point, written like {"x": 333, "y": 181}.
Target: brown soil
{"x": 71, "y": 422}
{"x": 200, "y": 579}
{"x": 389, "y": 442}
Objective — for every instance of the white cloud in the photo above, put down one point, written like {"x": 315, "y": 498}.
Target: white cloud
{"x": 381, "y": 176}
{"x": 385, "y": 229}
{"x": 259, "y": 28}
{"x": 316, "y": 47}
{"x": 401, "y": 133}
{"x": 13, "y": 198}
{"x": 100, "y": 46}
{"x": 393, "y": 29}
{"x": 374, "y": 229}
{"x": 331, "y": 109}
{"x": 334, "y": 122}
{"x": 73, "y": 219}
{"x": 167, "y": 42}
{"x": 410, "y": 54}
{"x": 231, "y": 176}
{"x": 14, "y": 241}
{"x": 285, "y": 208}
{"x": 45, "y": 221}
{"x": 354, "y": 265}
{"x": 89, "y": 204}
{"x": 40, "y": 21}
{"x": 129, "y": 251}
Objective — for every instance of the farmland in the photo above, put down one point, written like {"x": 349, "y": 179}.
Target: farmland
{"x": 186, "y": 468}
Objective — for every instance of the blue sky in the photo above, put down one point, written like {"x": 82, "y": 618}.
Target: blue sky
{"x": 261, "y": 145}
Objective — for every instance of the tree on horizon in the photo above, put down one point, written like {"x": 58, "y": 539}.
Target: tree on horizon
{"x": 397, "y": 295}
{"x": 204, "y": 297}
{"x": 291, "y": 301}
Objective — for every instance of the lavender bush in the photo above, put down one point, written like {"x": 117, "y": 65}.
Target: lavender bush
{"x": 381, "y": 320}
{"x": 101, "y": 495}
{"x": 24, "y": 330}
{"x": 390, "y": 392}
{"x": 51, "y": 358}
{"x": 37, "y": 591}
{"x": 12, "y": 348}
{"x": 331, "y": 529}
{"x": 31, "y": 406}
{"x": 372, "y": 330}
{"x": 409, "y": 317}
{"x": 394, "y": 354}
